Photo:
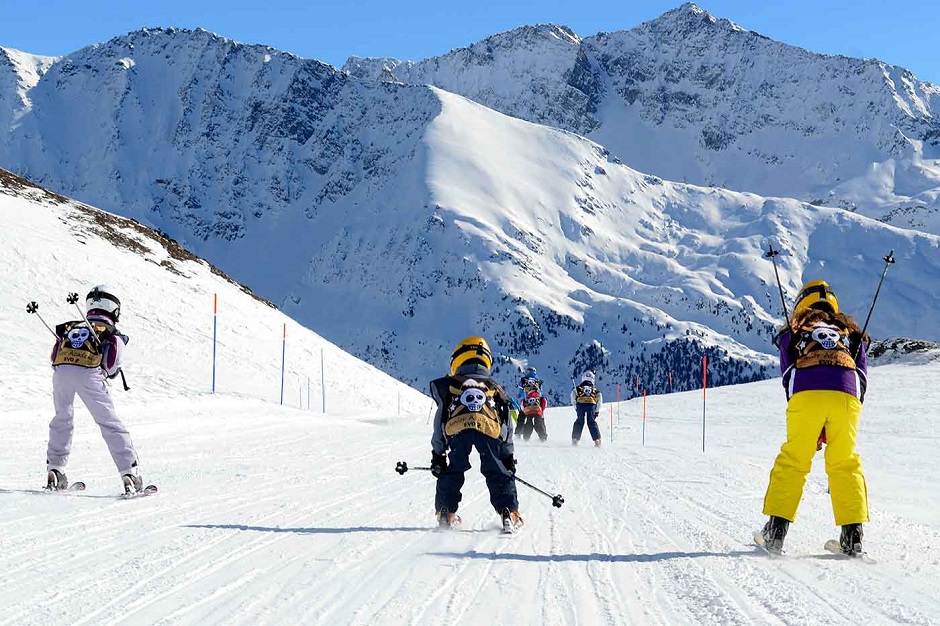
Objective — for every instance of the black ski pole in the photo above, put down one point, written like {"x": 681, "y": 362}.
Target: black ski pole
{"x": 772, "y": 255}
{"x": 401, "y": 467}
{"x": 33, "y": 308}
{"x": 889, "y": 260}
{"x": 124, "y": 380}
{"x": 557, "y": 500}
{"x": 72, "y": 298}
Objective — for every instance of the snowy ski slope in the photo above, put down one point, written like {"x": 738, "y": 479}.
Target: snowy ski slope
{"x": 273, "y": 514}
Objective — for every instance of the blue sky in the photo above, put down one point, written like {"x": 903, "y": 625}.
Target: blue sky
{"x": 331, "y": 30}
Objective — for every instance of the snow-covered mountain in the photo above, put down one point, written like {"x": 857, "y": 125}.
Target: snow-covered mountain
{"x": 19, "y": 72}
{"x": 395, "y": 219}
{"x": 689, "y": 97}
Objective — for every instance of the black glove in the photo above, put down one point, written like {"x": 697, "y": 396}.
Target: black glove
{"x": 438, "y": 464}
{"x": 509, "y": 463}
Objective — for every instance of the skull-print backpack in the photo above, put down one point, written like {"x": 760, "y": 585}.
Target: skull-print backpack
{"x": 77, "y": 343}
{"x": 822, "y": 343}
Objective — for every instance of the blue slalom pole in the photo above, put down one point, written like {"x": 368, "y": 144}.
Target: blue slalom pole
{"x": 644, "y": 417}
{"x": 215, "y": 334}
{"x": 283, "y": 360}
{"x": 704, "y": 387}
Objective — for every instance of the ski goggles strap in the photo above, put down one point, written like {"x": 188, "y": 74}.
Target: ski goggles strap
{"x": 822, "y": 290}
{"x": 479, "y": 349}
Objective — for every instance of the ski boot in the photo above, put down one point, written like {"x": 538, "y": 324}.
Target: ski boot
{"x": 851, "y": 540}
{"x": 597, "y": 443}
{"x": 574, "y": 442}
{"x": 57, "y": 481}
{"x": 774, "y": 532}
{"x": 512, "y": 520}
{"x": 133, "y": 483}
{"x": 446, "y": 519}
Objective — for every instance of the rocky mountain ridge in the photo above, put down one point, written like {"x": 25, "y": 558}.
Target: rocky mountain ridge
{"x": 692, "y": 98}
{"x": 396, "y": 218}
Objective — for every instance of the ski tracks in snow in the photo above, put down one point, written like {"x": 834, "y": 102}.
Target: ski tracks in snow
{"x": 246, "y": 535}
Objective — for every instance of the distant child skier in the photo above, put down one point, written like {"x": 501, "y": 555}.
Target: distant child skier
{"x": 530, "y": 381}
{"x": 587, "y": 400}
{"x": 825, "y": 369}
{"x": 533, "y": 407}
{"x": 473, "y": 411}
{"x": 84, "y": 356}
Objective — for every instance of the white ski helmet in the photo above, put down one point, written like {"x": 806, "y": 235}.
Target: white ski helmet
{"x": 588, "y": 376}
{"x": 101, "y": 298}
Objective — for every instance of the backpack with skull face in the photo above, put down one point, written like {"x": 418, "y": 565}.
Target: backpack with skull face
{"x": 473, "y": 404}
{"x": 822, "y": 343}
{"x": 530, "y": 383}
{"x": 585, "y": 393}
{"x": 77, "y": 345}
{"x": 532, "y": 404}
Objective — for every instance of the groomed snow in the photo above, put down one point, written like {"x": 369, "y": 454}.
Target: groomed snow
{"x": 273, "y": 514}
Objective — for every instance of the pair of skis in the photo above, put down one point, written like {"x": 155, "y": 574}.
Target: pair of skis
{"x": 508, "y": 526}
{"x": 149, "y": 490}
{"x": 832, "y": 545}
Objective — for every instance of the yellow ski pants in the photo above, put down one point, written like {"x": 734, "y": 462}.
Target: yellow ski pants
{"x": 807, "y": 413}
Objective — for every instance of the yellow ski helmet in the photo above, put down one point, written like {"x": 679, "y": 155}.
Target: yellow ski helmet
{"x": 471, "y": 348}
{"x": 816, "y": 294}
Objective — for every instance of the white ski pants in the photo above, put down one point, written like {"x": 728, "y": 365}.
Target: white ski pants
{"x": 89, "y": 384}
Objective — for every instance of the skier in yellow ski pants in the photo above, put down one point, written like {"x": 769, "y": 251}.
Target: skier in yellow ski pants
{"x": 807, "y": 413}
{"x": 825, "y": 369}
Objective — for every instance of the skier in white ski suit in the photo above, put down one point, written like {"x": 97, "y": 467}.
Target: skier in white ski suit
{"x": 83, "y": 358}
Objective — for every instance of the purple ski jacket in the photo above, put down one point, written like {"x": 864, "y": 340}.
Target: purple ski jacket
{"x": 821, "y": 377}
